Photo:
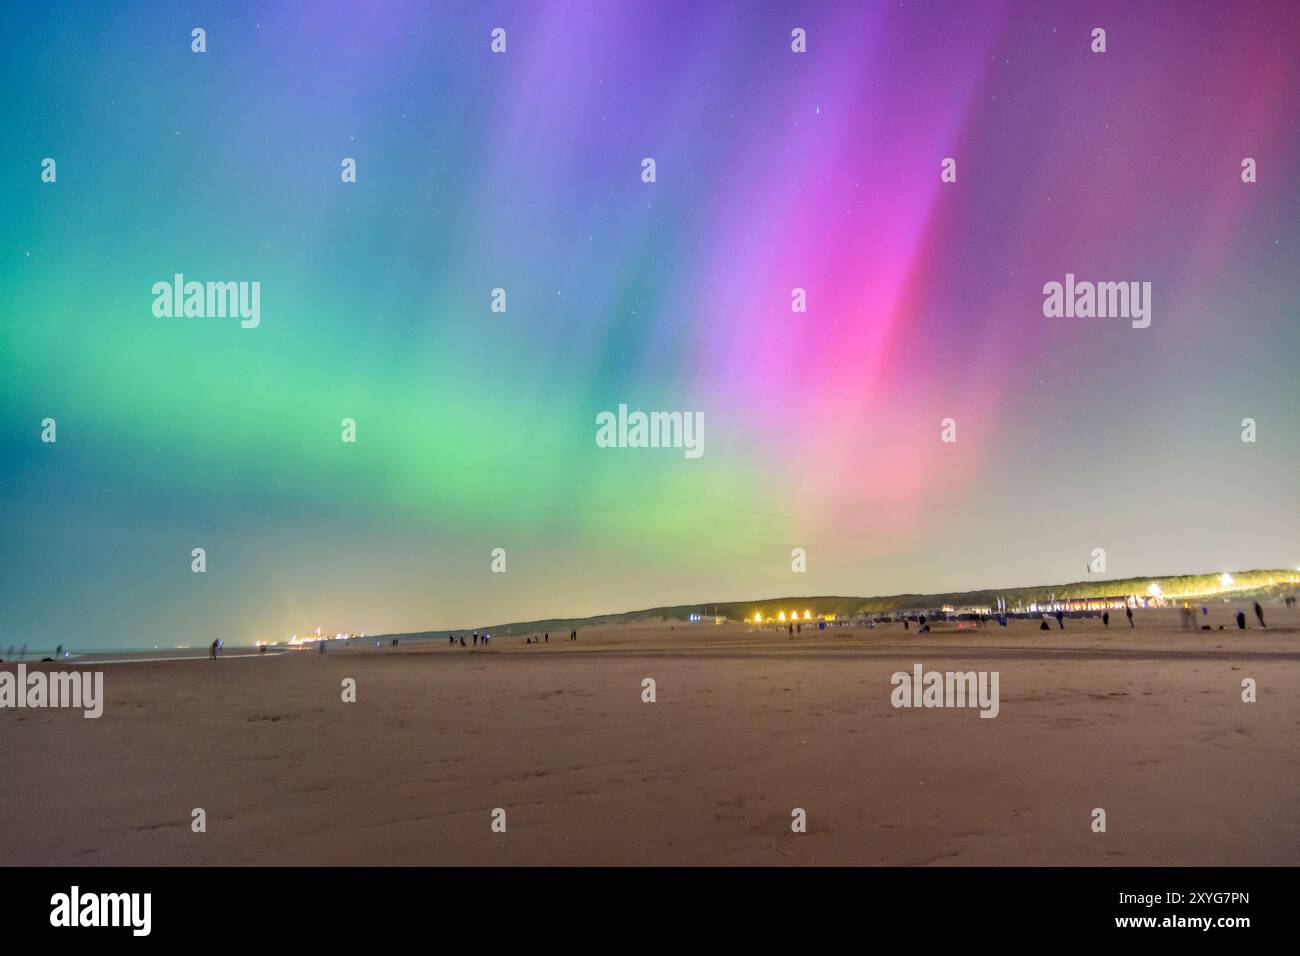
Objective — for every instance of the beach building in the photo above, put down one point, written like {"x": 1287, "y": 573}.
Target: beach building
{"x": 1116, "y": 602}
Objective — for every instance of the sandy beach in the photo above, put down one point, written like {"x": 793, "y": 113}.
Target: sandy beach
{"x": 748, "y": 725}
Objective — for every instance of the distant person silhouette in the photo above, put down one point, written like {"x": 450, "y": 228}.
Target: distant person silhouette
{"x": 1128, "y": 611}
{"x": 1241, "y": 620}
{"x": 1060, "y": 620}
{"x": 212, "y": 651}
{"x": 1259, "y": 613}
{"x": 1042, "y": 625}
{"x": 1105, "y": 619}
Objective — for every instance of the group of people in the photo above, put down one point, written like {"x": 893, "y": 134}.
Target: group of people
{"x": 475, "y": 636}
{"x": 546, "y": 638}
{"x": 1188, "y": 618}
{"x": 1259, "y": 614}
{"x": 1105, "y": 617}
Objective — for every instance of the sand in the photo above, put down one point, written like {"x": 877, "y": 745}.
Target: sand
{"x": 747, "y": 726}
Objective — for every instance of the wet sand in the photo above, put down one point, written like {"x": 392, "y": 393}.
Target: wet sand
{"x": 747, "y": 726}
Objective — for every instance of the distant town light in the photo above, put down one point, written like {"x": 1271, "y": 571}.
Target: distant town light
{"x": 1225, "y": 579}
{"x": 1154, "y": 589}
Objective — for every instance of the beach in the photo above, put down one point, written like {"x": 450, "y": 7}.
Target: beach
{"x": 747, "y": 726}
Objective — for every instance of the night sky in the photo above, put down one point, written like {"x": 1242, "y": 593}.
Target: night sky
{"x": 522, "y": 170}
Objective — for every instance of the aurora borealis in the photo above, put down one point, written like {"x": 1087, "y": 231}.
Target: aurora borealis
{"x": 775, "y": 170}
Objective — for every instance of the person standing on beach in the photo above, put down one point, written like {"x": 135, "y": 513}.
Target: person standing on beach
{"x": 1241, "y": 620}
{"x": 1060, "y": 619}
{"x": 212, "y": 650}
{"x": 1128, "y": 611}
{"x": 1105, "y": 619}
{"x": 1259, "y": 613}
